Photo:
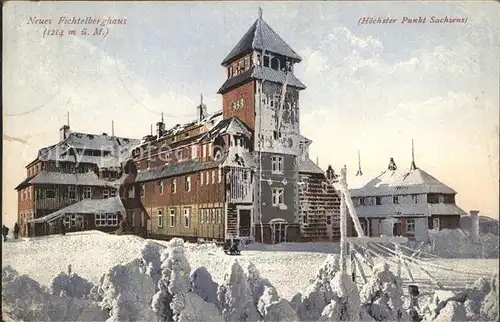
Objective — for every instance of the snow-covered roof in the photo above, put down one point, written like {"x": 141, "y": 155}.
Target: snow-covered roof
{"x": 87, "y": 206}
{"x": 306, "y": 165}
{"x": 421, "y": 209}
{"x": 76, "y": 179}
{"x": 261, "y": 36}
{"x": 119, "y": 148}
{"x": 396, "y": 182}
{"x": 175, "y": 169}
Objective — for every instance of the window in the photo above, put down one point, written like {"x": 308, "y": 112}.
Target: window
{"x": 160, "y": 218}
{"x": 414, "y": 198}
{"x": 87, "y": 193}
{"x": 67, "y": 221}
{"x": 174, "y": 186}
{"x": 213, "y": 176}
{"x": 179, "y": 155}
{"x": 266, "y": 61}
{"x": 188, "y": 183}
{"x": 410, "y": 225}
{"x": 395, "y": 199}
{"x": 172, "y": 217}
{"x": 187, "y": 217}
{"x": 219, "y": 172}
{"x": 112, "y": 219}
{"x": 50, "y": 193}
{"x": 219, "y": 215}
{"x": 378, "y": 201}
{"x": 100, "y": 220}
{"x": 204, "y": 151}
{"x": 436, "y": 224}
{"x": 201, "y": 178}
{"x": 143, "y": 190}
{"x": 72, "y": 192}
{"x": 160, "y": 184}
{"x": 277, "y": 196}
{"x": 277, "y": 164}
{"x": 362, "y": 201}
{"x": 213, "y": 214}
{"x": 105, "y": 193}
{"x": 202, "y": 212}
{"x": 113, "y": 193}
{"x": 29, "y": 192}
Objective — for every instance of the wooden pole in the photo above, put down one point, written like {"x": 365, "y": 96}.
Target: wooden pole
{"x": 343, "y": 233}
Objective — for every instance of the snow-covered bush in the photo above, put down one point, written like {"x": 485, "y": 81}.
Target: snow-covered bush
{"x": 345, "y": 302}
{"x": 382, "y": 296}
{"x": 150, "y": 254}
{"x": 314, "y": 300}
{"x": 269, "y": 304}
{"x": 479, "y": 302}
{"x": 454, "y": 243}
{"x": 203, "y": 285}
{"x": 318, "y": 295}
{"x": 274, "y": 308}
{"x": 174, "y": 300}
{"x": 235, "y": 296}
{"x": 489, "y": 309}
{"x": 25, "y": 300}
{"x": 72, "y": 285}
{"x": 127, "y": 291}
{"x": 162, "y": 298}
{"x": 330, "y": 267}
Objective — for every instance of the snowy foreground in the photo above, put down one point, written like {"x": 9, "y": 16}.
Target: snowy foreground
{"x": 117, "y": 278}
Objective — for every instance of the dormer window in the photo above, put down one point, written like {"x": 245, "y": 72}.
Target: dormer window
{"x": 275, "y": 63}
{"x": 266, "y": 61}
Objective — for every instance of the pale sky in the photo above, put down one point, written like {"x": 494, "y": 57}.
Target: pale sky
{"x": 369, "y": 87}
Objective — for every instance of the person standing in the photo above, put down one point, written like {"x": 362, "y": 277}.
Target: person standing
{"x": 16, "y": 230}
{"x": 5, "y": 231}
{"x": 62, "y": 227}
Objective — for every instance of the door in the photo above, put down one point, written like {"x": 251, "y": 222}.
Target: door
{"x": 278, "y": 232}
{"x": 244, "y": 219}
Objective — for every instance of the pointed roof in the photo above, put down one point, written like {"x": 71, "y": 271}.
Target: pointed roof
{"x": 261, "y": 36}
{"x": 395, "y": 182}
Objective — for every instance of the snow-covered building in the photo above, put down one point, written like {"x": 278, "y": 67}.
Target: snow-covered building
{"x": 68, "y": 181}
{"x": 243, "y": 172}
{"x": 413, "y": 198}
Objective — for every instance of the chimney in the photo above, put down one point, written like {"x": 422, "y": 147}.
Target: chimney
{"x": 201, "y": 109}
{"x": 64, "y": 132}
{"x": 474, "y": 229}
{"x": 160, "y": 127}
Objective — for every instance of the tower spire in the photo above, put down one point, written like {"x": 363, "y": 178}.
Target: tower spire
{"x": 162, "y": 117}
{"x": 359, "y": 173}
{"x": 112, "y": 128}
{"x": 260, "y": 13}
{"x": 413, "y": 165}
{"x": 67, "y": 118}
{"x": 201, "y": 99}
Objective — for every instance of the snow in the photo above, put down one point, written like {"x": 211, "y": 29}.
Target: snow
{"x": 456, "y": 244}
{"x": 395, "y": 182}
{"x": 266, "y": 283}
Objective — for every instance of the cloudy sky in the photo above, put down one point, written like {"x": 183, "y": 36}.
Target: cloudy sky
{"x": 369, "y": 87}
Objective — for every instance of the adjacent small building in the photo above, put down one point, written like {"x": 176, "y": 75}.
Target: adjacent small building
{"x": 72, "y": 181}
{"x": 413, "y": 198}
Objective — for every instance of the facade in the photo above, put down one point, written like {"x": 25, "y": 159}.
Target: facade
{"x": 241, "y": 172}
{"x": 68, "y": 181}
{"x": 414, "y": 199}
{"x": 262, "y": 90}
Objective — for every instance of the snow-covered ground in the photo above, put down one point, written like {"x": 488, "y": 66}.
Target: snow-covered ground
{"x": 290, "y": 268}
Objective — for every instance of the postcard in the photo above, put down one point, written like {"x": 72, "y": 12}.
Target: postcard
{"x": 263, "y": 161}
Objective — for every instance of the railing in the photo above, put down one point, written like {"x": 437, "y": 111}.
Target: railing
{"x": 240, "y": 185}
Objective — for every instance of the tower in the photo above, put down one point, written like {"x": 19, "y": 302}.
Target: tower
{"x": 263, "y": 92}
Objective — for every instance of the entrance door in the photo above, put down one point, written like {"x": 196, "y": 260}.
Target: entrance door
{"x": 278, "y": 231}
{"x": 244, "y": 222}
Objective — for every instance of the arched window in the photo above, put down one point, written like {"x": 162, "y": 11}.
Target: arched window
{"x": 275, "y": 63}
